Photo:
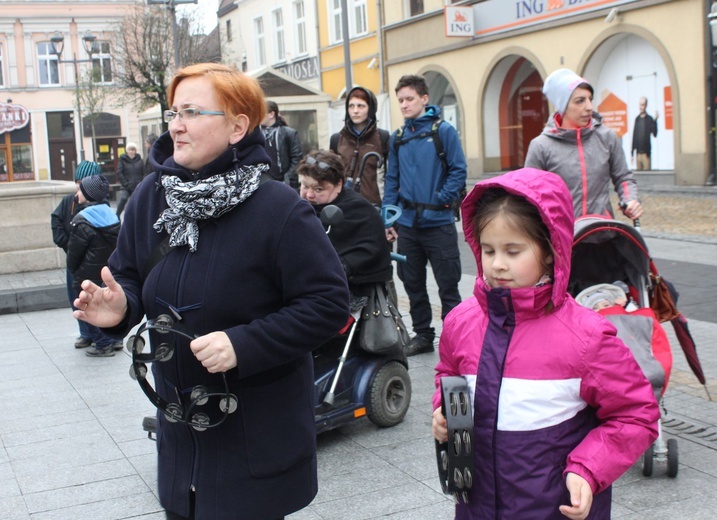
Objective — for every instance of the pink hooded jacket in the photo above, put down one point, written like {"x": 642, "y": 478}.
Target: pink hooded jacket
{"x": 555, "y": 392}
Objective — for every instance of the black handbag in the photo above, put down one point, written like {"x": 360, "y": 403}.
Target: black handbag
{"x": 382, "y": 328}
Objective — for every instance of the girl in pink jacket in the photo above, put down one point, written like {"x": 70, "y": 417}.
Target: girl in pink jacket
{"x": 561, "y": 408}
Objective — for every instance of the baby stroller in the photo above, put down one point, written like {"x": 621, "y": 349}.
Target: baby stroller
{"x": 607, "y": 251}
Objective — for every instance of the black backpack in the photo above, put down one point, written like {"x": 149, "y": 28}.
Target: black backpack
{"x": 441, "y": 153}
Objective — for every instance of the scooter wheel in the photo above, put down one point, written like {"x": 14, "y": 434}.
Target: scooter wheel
{"x": 390, "y": 395}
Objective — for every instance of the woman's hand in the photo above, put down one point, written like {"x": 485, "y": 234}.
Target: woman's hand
{"x": 215, "y": 352}
{"x": 101, "y": 306}
{"x": 391, "y": 234}
{"x": 581, "y": 497}
{"x": 440, "y": 426}
{"x": 633, "y": 209}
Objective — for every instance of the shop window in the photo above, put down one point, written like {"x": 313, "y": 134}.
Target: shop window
{"x": 48, "y": 66}
{"x": 279, "y": 46}
{"x": 22, "y": 162}
{"x": 259, "y": 44}
{"x": 102, "y": 64}
{"x": 300, "y": 32}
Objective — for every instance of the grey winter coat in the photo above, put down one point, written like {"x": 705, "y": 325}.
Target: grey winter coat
{"x": 587, "y": 160}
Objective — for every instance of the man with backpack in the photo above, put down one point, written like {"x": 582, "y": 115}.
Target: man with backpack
{"x": 426, "y": 176}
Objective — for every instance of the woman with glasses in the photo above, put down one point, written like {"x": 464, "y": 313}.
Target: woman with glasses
{"x": 359, "y": 239}
{"x": 239, "y": 278}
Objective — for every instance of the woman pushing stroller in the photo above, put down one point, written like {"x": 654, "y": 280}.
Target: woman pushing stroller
{"x": 561, "y": 408}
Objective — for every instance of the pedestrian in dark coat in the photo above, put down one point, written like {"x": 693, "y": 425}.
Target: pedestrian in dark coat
{"x": 61, "y": 223}
{"x": 283, "y": 145}
{"x": 359, "y": 136}
{"x": 130, "y": 172}
{"x": 252, "y": 274}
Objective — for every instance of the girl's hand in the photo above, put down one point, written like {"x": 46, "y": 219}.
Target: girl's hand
{"x": 215, "y": 352}
{"x": 581, "y": 497}
{"x": 440, "y": 426}
{"x": 101, "y": 306}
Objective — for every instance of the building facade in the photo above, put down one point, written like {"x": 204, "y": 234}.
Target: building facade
{"x": 42, "y": 136}
{"x": 485, "y": 62}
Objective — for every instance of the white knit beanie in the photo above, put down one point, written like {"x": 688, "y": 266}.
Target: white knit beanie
{"x": 559, "y": 86}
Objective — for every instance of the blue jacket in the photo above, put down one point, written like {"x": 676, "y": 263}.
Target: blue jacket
{"x": 415, "y": 172}
{"x": 266, "y": 274}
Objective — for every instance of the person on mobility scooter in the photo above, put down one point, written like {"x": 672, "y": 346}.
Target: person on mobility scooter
{"x": 375, "y": 384}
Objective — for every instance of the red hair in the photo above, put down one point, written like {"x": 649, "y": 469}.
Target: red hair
{"x": 236, "y": 92}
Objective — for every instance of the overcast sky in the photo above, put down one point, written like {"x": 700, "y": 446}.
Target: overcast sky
{"x": 207, "y": 10}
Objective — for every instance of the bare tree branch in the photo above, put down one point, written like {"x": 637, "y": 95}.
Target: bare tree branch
{"x": 143, "y": 53}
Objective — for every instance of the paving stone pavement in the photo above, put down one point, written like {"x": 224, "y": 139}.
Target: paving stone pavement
{"x": 72, "y": 446}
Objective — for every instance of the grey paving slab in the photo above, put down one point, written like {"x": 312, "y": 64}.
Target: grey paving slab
{"x": 72, "y": 446}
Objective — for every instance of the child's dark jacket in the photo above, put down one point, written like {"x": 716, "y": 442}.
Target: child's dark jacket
{"x": 92, "y": 239}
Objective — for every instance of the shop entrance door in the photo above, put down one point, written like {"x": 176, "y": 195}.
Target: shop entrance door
{"x": 107, "y": 156}
{"x": 63, "y": 159}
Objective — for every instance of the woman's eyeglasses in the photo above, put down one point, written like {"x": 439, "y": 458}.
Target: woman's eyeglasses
{"x": 320, "y": 164}
{"x": 189, "y": 113}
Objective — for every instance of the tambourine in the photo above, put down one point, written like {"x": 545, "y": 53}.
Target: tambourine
{"x": 196, "y": 410}
{"x": 455, "y": 457}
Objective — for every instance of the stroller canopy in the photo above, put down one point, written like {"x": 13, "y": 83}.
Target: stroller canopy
{"x": 606, "y": 250}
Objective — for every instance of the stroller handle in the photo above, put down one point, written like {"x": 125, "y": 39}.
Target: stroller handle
{"x": 635, "y": 221}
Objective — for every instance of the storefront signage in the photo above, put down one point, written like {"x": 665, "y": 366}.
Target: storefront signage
{"x": 459, "y": 21}
{"x": 668, "y": 108}
{"x": 303, "y": 69}
{"x": 13, "y": 117}
{"x": 496, "y": 16}
{"x": 614, "y": 113}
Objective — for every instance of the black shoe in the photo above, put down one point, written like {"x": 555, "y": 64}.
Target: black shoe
{"x": 117, "y": 345}
{"x": 95, "y": 351}
{"x": 419, "y": 345}
{"x": 82, "y": 342}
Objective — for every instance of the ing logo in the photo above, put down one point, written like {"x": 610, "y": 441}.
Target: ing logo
{"x": 459, "y": 17}
{"x": 555, "y": 4}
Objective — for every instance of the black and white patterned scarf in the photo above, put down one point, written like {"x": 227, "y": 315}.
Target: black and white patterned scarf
{"x": 203, "y": 199}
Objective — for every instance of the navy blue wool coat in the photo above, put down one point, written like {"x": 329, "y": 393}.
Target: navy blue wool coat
{"x": 266, "y": 274}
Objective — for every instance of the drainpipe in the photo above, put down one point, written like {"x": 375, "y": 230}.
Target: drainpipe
{"x": 379, "y": 10}
{"x": 711, "y": 51}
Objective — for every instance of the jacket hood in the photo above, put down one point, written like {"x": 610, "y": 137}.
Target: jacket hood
{"x": 549, "y": 193}
{"x": 250, "y": 150}
{"x": 554, "y": 130}
{"x": 432, "y": 113}
{"x": 372, "y": 107}
{"x": 100, "y": 215}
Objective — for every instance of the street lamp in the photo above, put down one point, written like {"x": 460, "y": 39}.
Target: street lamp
{"x": 89, "y": 42}
{"x": 171, "y": 4}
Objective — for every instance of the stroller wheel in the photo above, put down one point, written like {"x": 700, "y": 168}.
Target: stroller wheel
{"x": 390, "y": 395}
{"x": 648, "y": 459}
{"x": 672, "y": 458}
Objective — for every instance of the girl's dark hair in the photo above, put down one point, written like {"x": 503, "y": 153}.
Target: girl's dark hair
{"x": 521, "y": 214}
{"x": 322, "y": 166}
